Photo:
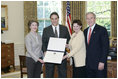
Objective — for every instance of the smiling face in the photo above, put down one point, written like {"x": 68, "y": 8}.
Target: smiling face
{"x": 54, "y": 20}
{"x": 76, "y": 27}
{"x": 90, "y": 18}
{"x": 34, "y": 26}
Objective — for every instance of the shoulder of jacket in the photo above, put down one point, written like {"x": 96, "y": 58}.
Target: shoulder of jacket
{"x": 101, "y": 27}
{"x": 72, "y": 35}
{"x": 47, "y": 27}
{"x": 62, "y": 26}
{"x": 28, "y": 36}
{"x": 80, "y": 32}
{"x": 86, "y": 29}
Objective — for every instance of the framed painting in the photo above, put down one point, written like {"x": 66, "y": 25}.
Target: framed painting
{"x": 4, "y": 17}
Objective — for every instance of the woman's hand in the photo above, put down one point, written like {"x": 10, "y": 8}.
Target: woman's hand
{"x": 67, "y": 45}
{"x": 40, "y": 60}
{"x": 64, "y": 57}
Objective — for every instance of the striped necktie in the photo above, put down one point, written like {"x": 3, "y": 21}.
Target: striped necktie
{"x": 56, "y": 35}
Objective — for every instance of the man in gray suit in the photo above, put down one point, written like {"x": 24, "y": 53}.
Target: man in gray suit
{"x": 59, "y": 31}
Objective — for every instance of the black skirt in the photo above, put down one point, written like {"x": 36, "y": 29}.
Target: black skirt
{"x": 79, "y": 72}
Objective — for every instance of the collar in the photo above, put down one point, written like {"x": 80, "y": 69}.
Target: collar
{"x": 33, "y": 34}
{"x": 92, "y": 27}
{"x": 55, "y": 26}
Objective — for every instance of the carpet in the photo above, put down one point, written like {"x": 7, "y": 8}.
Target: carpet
{"x": 15, "y": 74}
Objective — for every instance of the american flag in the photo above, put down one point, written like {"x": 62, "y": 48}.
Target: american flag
{"x": 68, "y": 17}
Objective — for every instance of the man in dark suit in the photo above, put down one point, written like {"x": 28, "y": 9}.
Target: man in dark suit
{"x": 97, "y": 48}
{"x": 59, "y": 31}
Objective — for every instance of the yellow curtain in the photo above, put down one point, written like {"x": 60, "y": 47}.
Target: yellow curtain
{"x": 77, "y": 10}
{"x": 30, "y": 13}
{"x": 113, "y": 18}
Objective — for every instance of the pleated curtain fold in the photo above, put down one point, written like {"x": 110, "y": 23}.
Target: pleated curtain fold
{"x": 113, "y": 18}
{"x": 77, "y": 10}
{"x": 30, "y": 13}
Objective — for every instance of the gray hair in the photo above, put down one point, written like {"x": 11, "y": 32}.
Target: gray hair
{"x": 92, "y": 14}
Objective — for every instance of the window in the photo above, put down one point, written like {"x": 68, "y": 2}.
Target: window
{"x": 102, "y": 9}
{"x": 44, "y": 9}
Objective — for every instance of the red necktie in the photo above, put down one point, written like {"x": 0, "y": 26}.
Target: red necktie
{"x": 89, "y": 37}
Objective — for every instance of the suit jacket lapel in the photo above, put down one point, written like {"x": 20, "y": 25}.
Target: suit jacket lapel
{"x": 60, "y": 31}
{"x": 86, "y": 36}
{"x": 52, "y": 32}
{"x": 93, "y": 33}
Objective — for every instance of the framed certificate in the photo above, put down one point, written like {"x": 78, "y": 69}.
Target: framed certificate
{"x": 55, "y": 50}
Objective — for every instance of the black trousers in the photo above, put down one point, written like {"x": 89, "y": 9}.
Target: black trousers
{"x": 33, "y": 68}
{"x": 62, "y": 69}
{"x": 93, "y": 73}
{"x": 79, "y": 72}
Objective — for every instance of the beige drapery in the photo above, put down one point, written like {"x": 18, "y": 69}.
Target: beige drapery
{"x": 30, "y": 13}
{"x": 77, "y": 10}
{"x": 113, "y": 18}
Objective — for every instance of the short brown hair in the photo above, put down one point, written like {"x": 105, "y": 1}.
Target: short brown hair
{"x": 77, "y": 21}
{"x": 31, "y": 21}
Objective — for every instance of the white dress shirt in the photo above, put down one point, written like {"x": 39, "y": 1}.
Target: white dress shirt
{"x": 57, "y": 27}
{"x": 92, "y": 27}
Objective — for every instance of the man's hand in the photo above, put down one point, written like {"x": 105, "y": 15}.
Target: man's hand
{"x": 100, "y": 66}
{"x": 44, "y": 53}
{"x": 40, "y": 60}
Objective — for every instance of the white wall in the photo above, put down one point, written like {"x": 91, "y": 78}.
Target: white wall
{"x": 15, "y": 32}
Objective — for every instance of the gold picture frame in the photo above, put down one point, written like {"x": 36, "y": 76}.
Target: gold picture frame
{"x": 4, "y": 17}
{"x": 114, "y": 41}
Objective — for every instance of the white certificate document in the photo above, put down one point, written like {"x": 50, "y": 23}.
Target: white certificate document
{"x": 57, "y": 44}
{"x": 53, "y": 57}
{"x": 55, "y": 50}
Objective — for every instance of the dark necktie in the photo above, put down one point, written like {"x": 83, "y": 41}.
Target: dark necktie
{"x": 56, "y": 35}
